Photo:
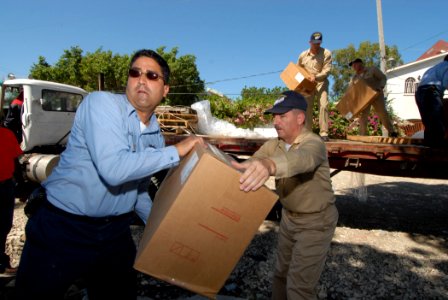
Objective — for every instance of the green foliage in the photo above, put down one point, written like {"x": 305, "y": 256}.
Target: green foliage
{"x": 246, "y": 111}
{"x": 185, "y": 83}
{"x": 83, "y": 71}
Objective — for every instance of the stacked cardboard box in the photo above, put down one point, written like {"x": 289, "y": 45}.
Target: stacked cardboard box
{"x": 357, "y": 97}
{"x": 201, "y": 223}
{"x": 295, "y": 78}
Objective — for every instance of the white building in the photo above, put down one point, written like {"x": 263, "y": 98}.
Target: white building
{"x": 402, "y": 83}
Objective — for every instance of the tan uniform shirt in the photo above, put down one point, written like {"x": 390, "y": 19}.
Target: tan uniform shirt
{"x": 317, "y": 64}
{"x": 303, "y": 173}
{"x": 373, "y": 77}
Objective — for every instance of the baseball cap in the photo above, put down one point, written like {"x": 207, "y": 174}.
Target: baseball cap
{"x": 316, "y": 37}
{"x": 357, "y": 60}
{"x": 289, "y": 100}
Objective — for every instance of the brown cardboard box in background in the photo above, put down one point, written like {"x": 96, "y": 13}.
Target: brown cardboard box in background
{"x": 357, "y": 97}
{"x": 201, "y": 223}
{"x": 295, "y": 79}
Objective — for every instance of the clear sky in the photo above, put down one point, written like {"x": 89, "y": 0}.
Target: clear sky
{"x": 237, "y": 43}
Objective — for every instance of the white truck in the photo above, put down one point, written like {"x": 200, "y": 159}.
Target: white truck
{"x": 47, "y": 116}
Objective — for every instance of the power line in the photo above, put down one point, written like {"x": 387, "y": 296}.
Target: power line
{"x": 228, "y": 79}
{"x": 431, "y": 37}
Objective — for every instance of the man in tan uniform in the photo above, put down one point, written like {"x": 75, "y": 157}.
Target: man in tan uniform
{"x": 298, "y": 160}
{"x": 317, "y": 61}
{"x": 377, "y": 81}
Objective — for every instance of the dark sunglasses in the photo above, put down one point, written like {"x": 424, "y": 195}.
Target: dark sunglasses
{"x": 151, "y": 75}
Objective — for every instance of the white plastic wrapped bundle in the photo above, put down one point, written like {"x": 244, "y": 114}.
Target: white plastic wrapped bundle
{"x": 210, "y": 125}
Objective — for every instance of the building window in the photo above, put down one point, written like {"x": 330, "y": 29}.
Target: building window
{"x": 410, "y": 85}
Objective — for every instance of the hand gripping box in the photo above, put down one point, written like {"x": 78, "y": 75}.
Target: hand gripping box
{"x": 357, "y": 97}
{"x": 295, "y": 78}
{"x": 201, "y": 223}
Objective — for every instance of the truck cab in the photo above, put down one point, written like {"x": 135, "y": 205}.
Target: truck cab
{"x": 48, "y": 111}
{"x": 46, "y": 118}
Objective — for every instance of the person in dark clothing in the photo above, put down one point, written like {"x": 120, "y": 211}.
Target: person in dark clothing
{"x": 12, "y": 120}
{"x": 9, "y": 152}
{"x": 429, "y": 99}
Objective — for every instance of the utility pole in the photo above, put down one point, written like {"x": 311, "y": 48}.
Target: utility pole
{"x": 379, "y": 13}
{"x": 381, "y": 36}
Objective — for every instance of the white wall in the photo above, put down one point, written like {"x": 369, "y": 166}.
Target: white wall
{"x": 404, "y": 105}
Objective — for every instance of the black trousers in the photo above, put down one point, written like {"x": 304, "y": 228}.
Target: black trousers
{"x": 430, "y": 106}
{"x": 6, "y": 217}
{"x": 62, "y": 249}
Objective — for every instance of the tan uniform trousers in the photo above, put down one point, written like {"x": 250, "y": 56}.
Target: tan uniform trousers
{"x": 321, "y": 94}
{"x": 380, "y": 109}
{"x": 303, "y": 244}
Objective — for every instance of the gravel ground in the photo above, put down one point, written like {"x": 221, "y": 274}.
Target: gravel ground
{"x": 391, "y": 243}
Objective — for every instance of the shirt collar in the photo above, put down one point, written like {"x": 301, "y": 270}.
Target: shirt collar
{"x": 304, "y": 133}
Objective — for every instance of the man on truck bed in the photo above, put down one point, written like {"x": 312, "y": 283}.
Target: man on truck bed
{"x": 81, "y": 231}
{"x": 377, "y": 81}
{"x": 317, "y": 61}
{"x": 429, "y": 97}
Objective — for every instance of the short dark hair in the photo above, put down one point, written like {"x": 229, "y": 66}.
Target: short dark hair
{"x": 159, "y": 59}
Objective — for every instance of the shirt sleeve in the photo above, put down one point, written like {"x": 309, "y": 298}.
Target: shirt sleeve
{"x": 105, "y": 125}
{"x": 306, "y": 158}
{"x": 144, "y": 203}
{"x": 382, "y": 79}
{"x": 300, "y": 59}
{"x": 322, "y": 75}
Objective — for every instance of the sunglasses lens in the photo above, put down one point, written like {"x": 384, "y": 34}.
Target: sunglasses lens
{"x": 134, "y": 73}
{"x": 152, "y": 75}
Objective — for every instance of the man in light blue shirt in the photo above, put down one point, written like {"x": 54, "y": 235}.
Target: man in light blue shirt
{"x": 429, "y": 98}
{"x": 82, "y": 232}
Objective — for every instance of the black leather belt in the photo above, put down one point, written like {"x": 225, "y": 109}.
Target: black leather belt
{"x": 87, "y": 219}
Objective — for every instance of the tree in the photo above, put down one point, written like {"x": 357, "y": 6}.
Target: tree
{"x": 185, "y": 83}
{"x": 83, "y": 71}
{"x": 113, "y": 67}
{"x": 368, "y": 52}
{"x": 42, "y": 70}
{"x": 68, "y": 68}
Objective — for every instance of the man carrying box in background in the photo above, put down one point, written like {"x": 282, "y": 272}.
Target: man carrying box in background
{"x": 82, "y": 229}
{"x": 298, "y": 160}
{"x": 317, "y": 61}
{"x": 377, "y": 81}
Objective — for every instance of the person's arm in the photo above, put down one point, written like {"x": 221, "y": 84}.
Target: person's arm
{"x": 380, "y": 76}
{"x": 300, "y": 59}
{"x": 305, "y": 159}
{"x": 256, "y": 172}
{"x": 12, "y": 119}
{"x": 322, "y": 75}
{"x": 110, "y": 142}
{"x": 144, "y": 203}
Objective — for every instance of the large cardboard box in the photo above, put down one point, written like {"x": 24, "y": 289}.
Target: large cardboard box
{"x": 295, "y": 78}
{"x": 357, "y": 97}
{"x": 201, "y": 223}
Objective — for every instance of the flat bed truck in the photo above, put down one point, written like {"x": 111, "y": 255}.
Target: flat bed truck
{"x": 402, "y": 157}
